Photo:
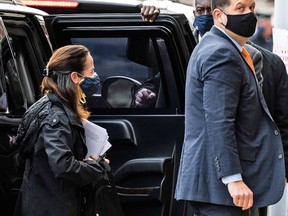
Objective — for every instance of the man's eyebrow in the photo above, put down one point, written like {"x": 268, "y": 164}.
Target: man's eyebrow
{"x": 241, "y": 4}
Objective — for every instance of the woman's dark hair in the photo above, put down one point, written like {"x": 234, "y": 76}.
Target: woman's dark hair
{"x": 220, "y": 3}
{"x": 63, "y": 62}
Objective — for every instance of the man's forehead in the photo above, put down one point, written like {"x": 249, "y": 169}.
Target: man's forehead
{"x": 203, "y": 3}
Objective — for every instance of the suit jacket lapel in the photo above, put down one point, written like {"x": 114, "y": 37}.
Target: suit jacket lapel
{"x": 216, "y": 31}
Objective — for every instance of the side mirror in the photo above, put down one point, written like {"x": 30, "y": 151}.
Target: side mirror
{"x": 118, "y": 91}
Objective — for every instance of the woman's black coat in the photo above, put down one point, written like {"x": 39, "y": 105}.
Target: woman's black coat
{"x": 55, "y": 171}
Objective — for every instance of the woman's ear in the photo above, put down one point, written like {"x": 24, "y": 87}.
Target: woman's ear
{"x": 75, "y": 78}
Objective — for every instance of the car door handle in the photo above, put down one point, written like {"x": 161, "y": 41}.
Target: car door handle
{"x": 143, "y": 168}
{"x": 119, "y": 130}
{"x": 143, "y": 191}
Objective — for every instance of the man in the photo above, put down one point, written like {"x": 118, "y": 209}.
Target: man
{"x": 274, "y": 84}
{"x": 203, "y": 20}
{"x": 230, "y": 138}
{"x": 271, "y": 75}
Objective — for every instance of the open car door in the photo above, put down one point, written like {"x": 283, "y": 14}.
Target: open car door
{"x": 130, "y": 54}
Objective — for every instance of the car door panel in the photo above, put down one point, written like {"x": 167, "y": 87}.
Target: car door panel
{"x": 119, "y": 130}
{"x": 145, "y": 173}
{"x": 146, "y": 142}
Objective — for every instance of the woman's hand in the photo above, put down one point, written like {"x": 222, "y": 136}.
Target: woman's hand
{"x": 94, "y": 157}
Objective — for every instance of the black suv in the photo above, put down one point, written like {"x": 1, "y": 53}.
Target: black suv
{"x": 146, "y": 142}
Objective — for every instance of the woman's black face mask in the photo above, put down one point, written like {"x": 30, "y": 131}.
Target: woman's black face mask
{"x": 90, "y": 85}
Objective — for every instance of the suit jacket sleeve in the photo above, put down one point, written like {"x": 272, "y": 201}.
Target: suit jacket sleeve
{"x": 222, "y": 75}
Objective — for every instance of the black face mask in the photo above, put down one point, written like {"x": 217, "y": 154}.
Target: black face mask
{"x": 90, "y": 85}
{"x": 203, "y": 23}
{"x": 242, "y": 24}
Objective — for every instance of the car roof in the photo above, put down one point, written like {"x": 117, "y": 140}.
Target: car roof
{"x": 109, "y": 6}
{"x": 105, "y": 6}
{"x": 18, "y": 7}
{"x": 85, "y": 6}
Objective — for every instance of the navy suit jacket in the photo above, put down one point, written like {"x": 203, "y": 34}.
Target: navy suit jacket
{"x": 228, "y": 128}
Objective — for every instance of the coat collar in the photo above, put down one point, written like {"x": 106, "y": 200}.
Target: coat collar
{"x": 58, "y": 101}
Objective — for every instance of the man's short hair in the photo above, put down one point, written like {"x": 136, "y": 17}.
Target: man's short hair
{"x": 219, "y": 3}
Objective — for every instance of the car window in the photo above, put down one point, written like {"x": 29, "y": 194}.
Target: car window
{"x": 11, "y": 87}
{"x": 3, "y": 96}
{"x": 126, "y": 65}
{"x": 3, "y": 92}
{"x": 23, "y": 62}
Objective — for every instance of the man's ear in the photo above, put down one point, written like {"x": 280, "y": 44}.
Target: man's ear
{"x": 217, "y": 16}
{"x": 75, "y": 78}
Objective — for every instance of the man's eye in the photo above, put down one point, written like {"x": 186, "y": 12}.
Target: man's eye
{"x": 200, "y": 11}
{"x": 252, "y": 8}
{"x": 241, "y": 8}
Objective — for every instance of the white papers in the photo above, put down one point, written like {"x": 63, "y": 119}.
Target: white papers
{"x": 96, "y": 139}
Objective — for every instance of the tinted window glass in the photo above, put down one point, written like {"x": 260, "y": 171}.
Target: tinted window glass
{"x": 125, "y": 66}
{"x": 8, "y": 65}
{"x": 29, "y": 53}
{"x": 3, "y": 94}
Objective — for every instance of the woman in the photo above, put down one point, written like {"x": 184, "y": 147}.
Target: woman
{"x": 55, "y": 169}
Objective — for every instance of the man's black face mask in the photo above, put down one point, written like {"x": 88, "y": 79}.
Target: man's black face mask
{"x": 203, "y": 23}
{"x": 241, "y": 24}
